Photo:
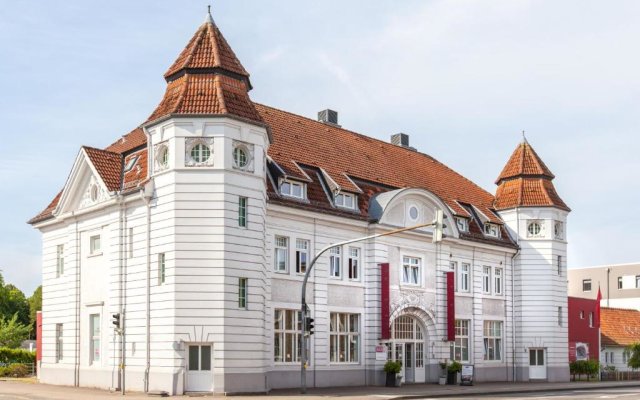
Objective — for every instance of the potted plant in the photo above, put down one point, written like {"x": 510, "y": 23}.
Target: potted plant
{"x": 393, "y": 368}
{"x": 452, "y": 372}
{"x": 442, "y": 379}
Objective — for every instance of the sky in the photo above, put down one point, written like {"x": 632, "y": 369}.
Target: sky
{"x": 463, "y": 78}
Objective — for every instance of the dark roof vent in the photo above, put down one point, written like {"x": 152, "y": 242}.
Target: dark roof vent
{"x": 402, "y": 140}
{"x": 328, "y": 117}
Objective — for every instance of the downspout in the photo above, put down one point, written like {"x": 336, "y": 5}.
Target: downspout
{"x": 123, "y": 256}
{"x": 146, "y": 194}
{"x": 513, "y": 295}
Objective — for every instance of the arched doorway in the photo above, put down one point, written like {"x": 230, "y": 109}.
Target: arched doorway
{"x": 407, "y": 345}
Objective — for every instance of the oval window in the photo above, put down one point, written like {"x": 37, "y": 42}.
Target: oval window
{"x": 534, "y": 229}
{"x": 94, "y": 192}
{"x": 163, "y": 156}
{"x": 413, "y": 212}
{"x": 200, "y": 153}
{"x": 240, "y": 157}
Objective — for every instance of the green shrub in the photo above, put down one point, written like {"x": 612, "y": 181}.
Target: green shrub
{"x": 21, "y": 356}
{"x": 454, "y": 367}
{"x": 393, "y": 367}
{"x": 17, "y": 370}
{"x": 589, "y": 368}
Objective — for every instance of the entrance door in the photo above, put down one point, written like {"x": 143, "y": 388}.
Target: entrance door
{"x": 537, "y": 366}
{"x": 199, "y": 374}
{"x": 409, "y": 366}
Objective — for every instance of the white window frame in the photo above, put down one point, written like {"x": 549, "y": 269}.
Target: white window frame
{"x": 59, "y": 260}
{"x": 491, "y": 229}
{"x": 462, "y": 341}
{"x": 411, "y": 271}
{"x": 335, "y": 262}
{"x": 486, "y": 279}
{"x": 353, "y": 263}
{"x": 340, "y": 200}
{"x": 620, "y": 283}
{"x": 281, "y": 251}
{"x": 243, "y": 293}
{"x": 59, "y": 343}
{"x": 344, "y": 330}
{"x": 531, "y": 230}
{"x": 586, "y": 282}
{"x": 498, "y": 281}
{"x": 492, "y": 338}
{"x": 282, "y": 333}
{"x": 162, "y": 268}
{"x": 462, "y": 224}
{"x": 302, "y": 255}
{"x": 465, "y": 277}
{"x": 591, "y": 319}
{"x": 560, "y": 319}
{"x": 95, "y": 245}
{"x": 290, "y": 192}
{"x": 558, "y": 230}
{"x": 95, "y": 342}
{"x": 243, "y": 214}
{"x": 559, "y": 258}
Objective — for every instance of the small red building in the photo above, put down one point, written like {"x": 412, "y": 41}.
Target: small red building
{"x": 584, "y": 329}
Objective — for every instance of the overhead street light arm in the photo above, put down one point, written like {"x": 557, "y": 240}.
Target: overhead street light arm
{"x": 437, "y": 236}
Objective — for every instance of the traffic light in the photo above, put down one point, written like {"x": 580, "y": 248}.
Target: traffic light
{"x": 309, "y": 328}
{"x": 115, "y": 320}
{"x": 438, "y": 226}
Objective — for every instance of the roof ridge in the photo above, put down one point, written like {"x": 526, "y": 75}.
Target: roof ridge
{"x": 389, "y": 145}
{"x": 620, "y": 309}
{"x": 101, "y": 150}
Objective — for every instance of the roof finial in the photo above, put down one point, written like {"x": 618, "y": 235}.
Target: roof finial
{"x": 524, "y": 138}
{"x": 208, "y": 19}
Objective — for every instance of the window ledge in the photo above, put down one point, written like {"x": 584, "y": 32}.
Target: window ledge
{"x": 95, "y": 254}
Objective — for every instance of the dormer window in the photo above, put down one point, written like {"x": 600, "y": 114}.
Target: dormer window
{"x": 292, "y": 189}
{"x": 345, "y": 200}
{"x": 463, "y": 224}
{"x": 491, "y": 230}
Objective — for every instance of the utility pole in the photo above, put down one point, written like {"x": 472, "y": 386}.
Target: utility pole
{"x": 304, "y": 310}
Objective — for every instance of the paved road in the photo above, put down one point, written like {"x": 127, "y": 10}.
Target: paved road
{"x": 622, "y": 393}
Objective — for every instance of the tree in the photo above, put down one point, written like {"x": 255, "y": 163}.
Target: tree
{"x": 12, "y": 302}
{"x": 35, "y": 305}
{"x": 634, "y": 360}
{"x": 12, "y": 332}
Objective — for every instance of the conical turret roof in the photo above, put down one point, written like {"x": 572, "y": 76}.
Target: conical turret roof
{"x": 207, "y": 78}
{"x": 526, "y": 181}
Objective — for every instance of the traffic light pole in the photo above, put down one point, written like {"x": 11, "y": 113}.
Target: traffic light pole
{"x": 437, "y": 236}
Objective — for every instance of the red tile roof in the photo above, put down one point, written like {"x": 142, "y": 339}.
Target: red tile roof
{"x": 526, "y": 181}
{"x": 619, "y": 327}
{"x": 210, "y": 94}
{"x": 524, "y": 162}
{"x": 207, "y": 49}
{"x": 109, "y": 166}
{"x": 348, "y": 156}
{"x": 128, "y": 142}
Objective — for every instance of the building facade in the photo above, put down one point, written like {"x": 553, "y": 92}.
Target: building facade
{"x": 195, "y": 230}
{"x": 584, "y": 329}
{"x": 619, "y": 284}
{"x": 620, "y": 328}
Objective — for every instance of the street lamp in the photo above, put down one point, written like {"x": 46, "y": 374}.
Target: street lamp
{"x": 438, "y": 225}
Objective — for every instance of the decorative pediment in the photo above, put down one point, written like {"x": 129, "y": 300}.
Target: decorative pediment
{"x": 93, "y": 194}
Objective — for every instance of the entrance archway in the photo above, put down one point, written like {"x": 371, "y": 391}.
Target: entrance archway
{"x": 408, "y": 338}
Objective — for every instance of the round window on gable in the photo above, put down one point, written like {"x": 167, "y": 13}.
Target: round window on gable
{"x": 200, "y": 153}
{"x": 240, "y": 157}
{"x": 534, "y": 228}
{"x": 413, "y": 212}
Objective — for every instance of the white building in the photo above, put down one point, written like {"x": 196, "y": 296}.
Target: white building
{"x": 196, "y": 228}
{"x": 619, "y": 328}
{"x": 619, "y": 284}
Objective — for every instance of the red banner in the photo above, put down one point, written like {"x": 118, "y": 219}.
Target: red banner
{"x": 39, "y": 335}
{"x": 385, "y": 324}
{"x": 451, "y": 308}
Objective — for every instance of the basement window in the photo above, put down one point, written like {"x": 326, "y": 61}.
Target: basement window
{"x": 345, "y": 200}
{"x": 292, "y": 189}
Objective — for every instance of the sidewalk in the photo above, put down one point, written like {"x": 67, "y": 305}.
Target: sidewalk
{"x": 434, "y": 391}
{"x": 27, "y": 391}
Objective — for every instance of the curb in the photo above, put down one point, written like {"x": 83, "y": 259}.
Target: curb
{"x": 516, "y": 391}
